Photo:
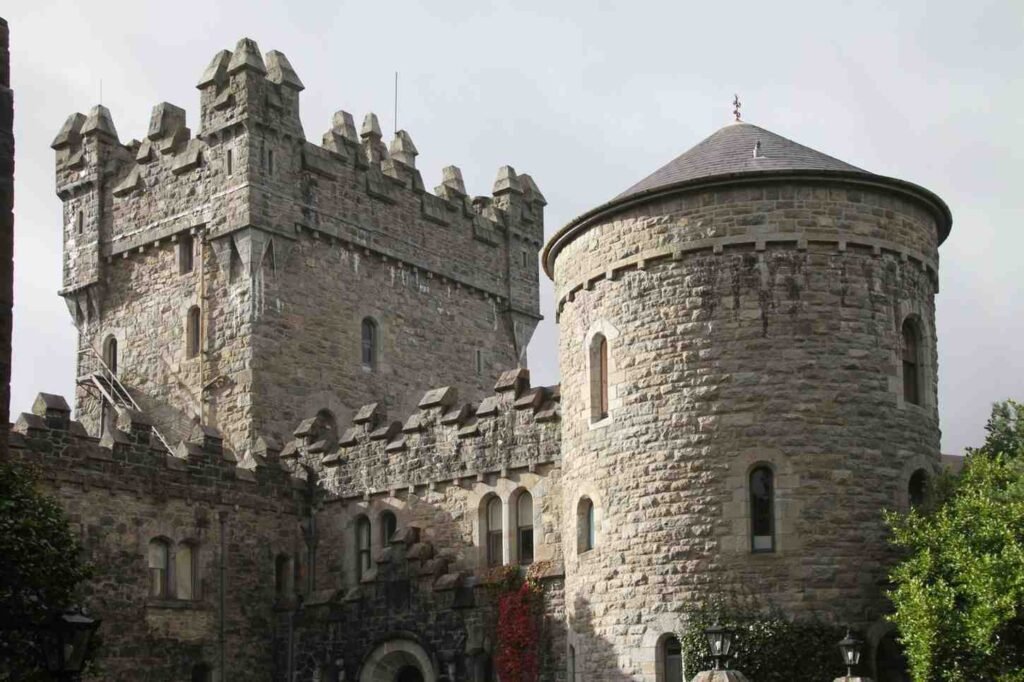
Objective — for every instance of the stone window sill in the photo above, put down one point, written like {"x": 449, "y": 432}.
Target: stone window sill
{"x": 600, "y": 423}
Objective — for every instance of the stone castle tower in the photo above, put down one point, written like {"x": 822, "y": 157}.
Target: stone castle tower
{"x": 748, "y": 378}
{"x": 244, "y": 277}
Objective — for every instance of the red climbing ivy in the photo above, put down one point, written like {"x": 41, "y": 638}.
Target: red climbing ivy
{"x": 518, "y": 646}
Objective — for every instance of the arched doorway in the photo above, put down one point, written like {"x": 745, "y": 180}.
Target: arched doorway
{"x": 409, "y": 673}
{"x": 398, "y": 660}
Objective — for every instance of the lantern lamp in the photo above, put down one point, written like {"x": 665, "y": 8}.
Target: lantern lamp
{"x": 720, "y": 641}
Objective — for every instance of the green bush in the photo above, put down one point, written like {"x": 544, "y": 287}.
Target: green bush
{"x": 768, "y": 647}
{"x": 959, "y": 591}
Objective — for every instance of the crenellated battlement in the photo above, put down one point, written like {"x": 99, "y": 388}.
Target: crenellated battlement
{"x": 443, "y": 440}
{"x": 128, "y": 458}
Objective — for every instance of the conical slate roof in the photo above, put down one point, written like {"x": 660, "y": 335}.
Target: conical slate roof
{"x": 731, "y": 150}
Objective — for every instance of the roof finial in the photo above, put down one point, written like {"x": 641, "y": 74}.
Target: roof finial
{"x": 736, "y": 106}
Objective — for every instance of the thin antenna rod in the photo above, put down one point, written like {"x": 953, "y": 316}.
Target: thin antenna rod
{"x": 396, "y": 102}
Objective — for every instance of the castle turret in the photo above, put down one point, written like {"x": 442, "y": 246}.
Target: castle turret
{"x": 748, "y": 378}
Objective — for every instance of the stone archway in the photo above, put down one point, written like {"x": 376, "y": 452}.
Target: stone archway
{"x": 398, "y": 660}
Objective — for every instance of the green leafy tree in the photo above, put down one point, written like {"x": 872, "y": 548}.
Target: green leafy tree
{"x": 959, "y": 592}
{"x": 40, "y": 568}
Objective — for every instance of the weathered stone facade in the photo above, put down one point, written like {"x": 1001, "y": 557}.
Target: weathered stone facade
{"x": 290, "y": 246}
{"x": 346, "y": 516}
{"x": 751, "y": 322}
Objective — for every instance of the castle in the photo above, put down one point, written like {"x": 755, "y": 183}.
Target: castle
{"x": 305, "y": 436}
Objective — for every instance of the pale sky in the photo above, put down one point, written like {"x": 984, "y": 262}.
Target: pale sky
{"x": 588, "y": 97}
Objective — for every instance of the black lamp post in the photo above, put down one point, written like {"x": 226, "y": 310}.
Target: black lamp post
{"x": 850, "y": 648}
{"x": 720, "y": 640}
{"x": 66, "y": 641}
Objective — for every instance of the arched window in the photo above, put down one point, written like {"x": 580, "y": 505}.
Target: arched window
{"x": 388, "y": 526}
{"x": 762, "y": 512}
{"x": 670, "y": 660}
{"x": 284, "y": 577}
{"x": 370, "y": 343}
{"x": 524, "y": 528}
{"x": 917, "y": 488}
{"x": 193, "y": 338}
{"x": 185, "y": 579}
{"x": 159, "y": 557}
{"x": 493, "y": 531}
{"x": 598, "y": 378}
{"x": 201, "y": 673}
{"x": 585, "y": 526}
{"x": 911, "y": 363}
{"x": 110, "y": 354}
{"x": 363, "y": 560}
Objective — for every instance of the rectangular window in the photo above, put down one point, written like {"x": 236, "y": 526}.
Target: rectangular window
{"x": 526, "y": 259}
{"x": 270, "y": 161}
{"x": 479, "y": 362}
{"x": 184, "y": 572}
{"x": 526, "y": 545}
{"x": 230, "y": 163}
{"x": 494, "y": 548}
{"x": 186, "y": 246}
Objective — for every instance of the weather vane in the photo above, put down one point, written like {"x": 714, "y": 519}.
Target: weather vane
{"x": 736, "y": 106}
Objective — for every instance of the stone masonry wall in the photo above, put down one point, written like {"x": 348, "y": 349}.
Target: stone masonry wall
{"x": 294, "y": 243}
{"x": 120, "y": 493}
{"x": 745, "y": 326}
{"x": 435, "y": 471}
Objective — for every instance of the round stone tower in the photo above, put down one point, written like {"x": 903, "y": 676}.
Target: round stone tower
{"x": 748, "y": 362}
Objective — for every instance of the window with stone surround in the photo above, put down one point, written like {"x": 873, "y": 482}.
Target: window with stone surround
{"x": 370, "y": 343}
{"x": 917, "y": 488}
{"x": 493, "y": 531}
{"x": 762, "y": 509}
{"x": 388, "y": 527}
{"x": 524, "y": 528}
{"x": 79, "y": 222}
{"x": 585, "y": 526}
{"x": 598, "y": 378}
{"x": 110, "y": 353}
{"x": 363, "y": 557}
{"x": 159, "y": 567}
{"x": 911, "y": 352}
{"x": 230, "y": 164}
{"x": 193, "y": 336}
{"x": 186, "y": 581}
{"x": 669, "y": 667}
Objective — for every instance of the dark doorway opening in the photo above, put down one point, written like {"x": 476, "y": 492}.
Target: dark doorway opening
{"x": 409, "y": 674}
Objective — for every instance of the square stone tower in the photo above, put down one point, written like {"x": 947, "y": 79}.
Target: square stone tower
{"x": 245, "y": 278}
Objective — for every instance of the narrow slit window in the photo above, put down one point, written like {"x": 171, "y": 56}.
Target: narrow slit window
{"x": 159, "y": 555}
{"x": 186, "y": 250}
{"x": 585, "y": 535}
{"x": 185, "y": 572}
{"x": 599, "y": 378}
{"x": 284, "y": 577}
{"x": 193, "y": 332}
{"x": 369, "y": 343}
{"x": 762, "y": 512}
{"x": 270, "y": 161}
{"x": 524, "y": 528}
{"x": 363, "y": 560}
{"x": 479, "y": 362}
{"x": 79, "y": 222}
{"x": 911, "y": 364}
{"x": 388, "y": 527}
{"x": 110, "y": 354}
{"x": 231, "y": 164}
{"x": 494, "y": 532}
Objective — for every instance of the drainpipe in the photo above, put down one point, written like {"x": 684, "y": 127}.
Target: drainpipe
{"x": 222, "y": 515}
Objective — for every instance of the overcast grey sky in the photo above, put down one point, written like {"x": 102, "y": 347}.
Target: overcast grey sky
{"x": 588, "y": 97}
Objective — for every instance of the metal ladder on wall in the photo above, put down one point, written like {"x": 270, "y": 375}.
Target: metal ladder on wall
{"x": 112, "y": 390}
